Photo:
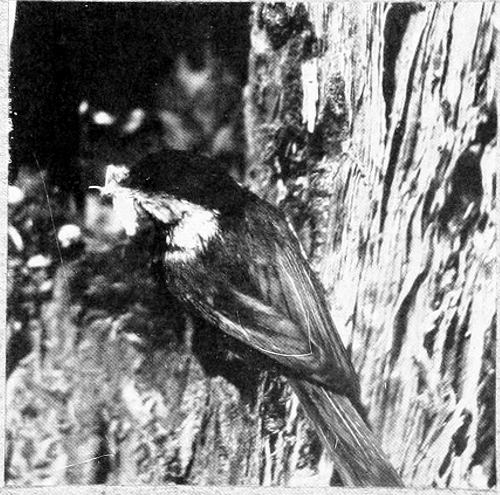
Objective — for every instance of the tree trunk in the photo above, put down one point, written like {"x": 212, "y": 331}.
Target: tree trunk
{"x": 374, "y": 126}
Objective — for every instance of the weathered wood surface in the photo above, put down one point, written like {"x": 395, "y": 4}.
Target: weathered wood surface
{"x": 374, "y": 128}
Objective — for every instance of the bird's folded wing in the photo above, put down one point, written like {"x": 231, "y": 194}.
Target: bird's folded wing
{"x": 282, "y": 312}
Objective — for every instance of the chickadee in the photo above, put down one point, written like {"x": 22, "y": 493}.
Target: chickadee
{"x": 234, "y": 261}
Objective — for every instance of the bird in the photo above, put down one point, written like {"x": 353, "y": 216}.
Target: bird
{"x": 234, "y": 261}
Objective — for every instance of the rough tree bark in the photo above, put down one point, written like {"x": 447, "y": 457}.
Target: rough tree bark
{"x": 374, "y": 127}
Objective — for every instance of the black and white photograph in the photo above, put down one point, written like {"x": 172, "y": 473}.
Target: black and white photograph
{"x": 251, "y": 245}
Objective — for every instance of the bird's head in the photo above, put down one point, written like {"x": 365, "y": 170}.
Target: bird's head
{"x": 184, "y": 193}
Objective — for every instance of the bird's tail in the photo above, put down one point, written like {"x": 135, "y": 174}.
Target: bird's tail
{"x": 357, "y": 457}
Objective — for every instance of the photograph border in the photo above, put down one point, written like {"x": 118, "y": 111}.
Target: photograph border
{"x": 6, "y": 9}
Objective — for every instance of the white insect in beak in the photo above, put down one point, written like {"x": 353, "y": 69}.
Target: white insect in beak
{"x": 123, "y": 206}
{"x": 123, "y": 201}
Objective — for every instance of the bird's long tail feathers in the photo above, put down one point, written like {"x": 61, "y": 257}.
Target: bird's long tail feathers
{"x": 352, "y": 446}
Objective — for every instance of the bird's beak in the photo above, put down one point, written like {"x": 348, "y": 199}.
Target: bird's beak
{"x": 115, "y": 177}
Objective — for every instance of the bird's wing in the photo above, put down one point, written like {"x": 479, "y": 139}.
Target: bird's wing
{"x": 277, "y": 306}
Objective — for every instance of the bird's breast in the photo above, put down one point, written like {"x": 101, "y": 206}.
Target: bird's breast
{"x": 191, "y": 234}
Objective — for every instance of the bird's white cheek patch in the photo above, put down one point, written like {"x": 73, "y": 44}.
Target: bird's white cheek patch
{"x": 191, "y": 235}
{"x": 123, "y": 206}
